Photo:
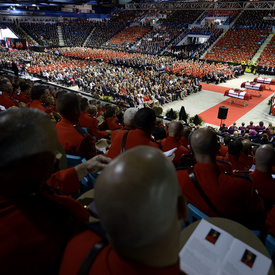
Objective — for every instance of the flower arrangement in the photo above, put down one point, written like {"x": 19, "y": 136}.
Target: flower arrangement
{"x": 106, "y": 98}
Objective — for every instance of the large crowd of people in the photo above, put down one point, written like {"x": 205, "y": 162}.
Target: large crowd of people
{"x": 134, "y": 215}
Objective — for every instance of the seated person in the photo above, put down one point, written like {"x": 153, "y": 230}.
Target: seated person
{"x": 144, "y": 236}
{"x": 88, "y": 119}
{"x": 172, "y": 141}
{"x": 262, "y": 175}
{"x": 145, "y": 120}
{"x": 71, "y": 136}
{"x": 234, "y": 152}
{"x": 233, "y": 197}
{"x": 36, "y": 221}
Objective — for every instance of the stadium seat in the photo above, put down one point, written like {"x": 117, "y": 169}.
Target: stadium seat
{"x": 88, "y": 182}
{"x": 270, "y": 246}
{"x": 194, "y": 214}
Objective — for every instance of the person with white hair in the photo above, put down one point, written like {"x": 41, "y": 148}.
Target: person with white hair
{"x": 129, "y": 121}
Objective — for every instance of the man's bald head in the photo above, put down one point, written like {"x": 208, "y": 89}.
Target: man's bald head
{"x": 204, "y": 142}
{"x": 265, "y": 157}
{"x": 25, "y": 132}
{"x": 136, "y": 197}
{"x": 175, "y": 129}
{"x": 247, "y": 146}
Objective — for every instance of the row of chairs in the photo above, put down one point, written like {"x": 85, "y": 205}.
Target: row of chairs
{"x": 195, "y": 214}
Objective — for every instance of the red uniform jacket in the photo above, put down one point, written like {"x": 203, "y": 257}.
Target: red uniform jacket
{"x": 7, "y": 101}
{"x": 107, "y": 262}
{"x": 247, "y": 159}
{"x": 235, "y": 163}
{"x": 234, "y": 197}
{"x": 117, "y": 131}
{"x": 39, "y": 105}
{"x": 170, "y": 143}
{"x": 75, "y": 140}
{"x": 134, "y": 138}
{"x": 23, "y": 98}
{"x": 34, "y": 230}
{"x": 112, "y": 125}
{"x": 91, "y": 123}
{"x": 65, "y": 181}
{"x": 265, "y": 185}
{"x": 270, "y": 222}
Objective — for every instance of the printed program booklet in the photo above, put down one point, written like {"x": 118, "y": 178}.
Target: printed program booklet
{"x": 211, "y": 250}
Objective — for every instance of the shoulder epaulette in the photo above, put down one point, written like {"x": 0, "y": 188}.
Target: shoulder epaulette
{"x": 80, "y": 131}
{"x": 246, "y": 176}
{"x": 158, "y": 143}
{"x": 223, "y": 161}
{"x": 182, "y": 168}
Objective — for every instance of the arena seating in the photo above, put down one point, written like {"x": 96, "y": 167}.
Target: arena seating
{"x": 238, "y": 45}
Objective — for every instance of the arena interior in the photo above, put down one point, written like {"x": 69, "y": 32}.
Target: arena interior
{"x": 199, "y": 66}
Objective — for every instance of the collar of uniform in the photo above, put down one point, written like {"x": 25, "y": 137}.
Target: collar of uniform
{"x": 262, "y": 174}
{"x": 65, "y": 121}
{"x": 206, "y": 166}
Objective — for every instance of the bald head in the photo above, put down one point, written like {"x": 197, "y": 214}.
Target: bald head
{"x": 265, "y": 158}
{"x": 247, "y": 146}
{"x": 25, "y": 132}
{"x": 136, "y": 197}
{"x": 204, "y": 142}
{"x": 175, "y": 129}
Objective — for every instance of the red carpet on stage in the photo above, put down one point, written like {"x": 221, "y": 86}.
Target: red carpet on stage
{"x": 235, "y": 111}
{"x": 214, "y": 88}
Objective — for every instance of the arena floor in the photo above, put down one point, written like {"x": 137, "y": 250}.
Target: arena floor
{"x": 206, "y": 99}
{"x": 200, "y": 102}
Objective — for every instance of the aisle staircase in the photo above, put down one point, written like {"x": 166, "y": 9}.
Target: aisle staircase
{"x": 88, "y": 37}
{"x": 60, "y": 36}
{"x": 258, "y": 53}
{"x": 213, "y": 44}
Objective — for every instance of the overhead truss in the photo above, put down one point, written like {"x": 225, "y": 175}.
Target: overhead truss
{"x": 202, "y": 5}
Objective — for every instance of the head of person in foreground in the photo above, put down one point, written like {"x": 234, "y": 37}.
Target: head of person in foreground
{"x": 141, "y": 206}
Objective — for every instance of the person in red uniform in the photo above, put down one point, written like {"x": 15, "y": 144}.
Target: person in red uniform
{"x": 262, "y": 175}
{"x": 71, "y": 136}
{"x": 185, "y": 136}
{"x": 41, "y": 100}
{"x": 110, "y": 114}
{"x": 145, "y": 120}
{"x": 35, "y": 221}
{"x": 144, "y": 236}
{"x": 88, "y": 119}
{"x": 172, "y": 141}
{"x": 234, "y": 152}
{"x": 224, "y": 147}
{"x": 247, "y": 156}
{"x": 25, "y": 90}
{"x": 234, "y": 197}
{"x": 6, "y": 90}
{"x": 129, "y": 121}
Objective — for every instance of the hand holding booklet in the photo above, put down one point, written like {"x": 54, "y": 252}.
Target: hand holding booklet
{"x": 211, "y": 250}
